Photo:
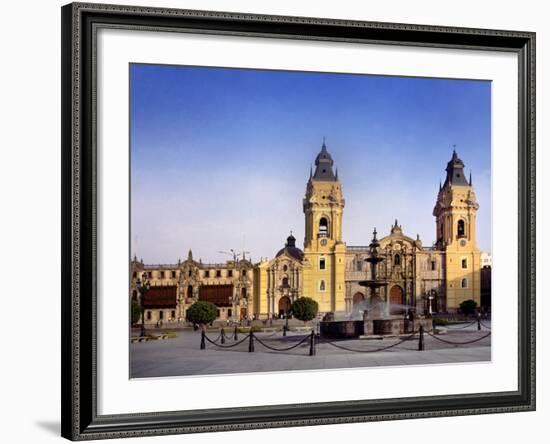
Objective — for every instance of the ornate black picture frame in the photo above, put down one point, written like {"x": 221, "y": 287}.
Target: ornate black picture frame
{"x": 80, "y": 419}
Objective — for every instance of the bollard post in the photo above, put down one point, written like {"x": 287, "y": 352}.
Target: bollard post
{"x": 284, "y": 330}
{"x": 223, "y": 336}
{"x": 251, "y": 343}
{"x": 312, "y": 344}
{"x": 421, "y": 338}
{"x": 478, "y": 324}
{"x": 203, "y": 341}
{"x": 236, "y": 335}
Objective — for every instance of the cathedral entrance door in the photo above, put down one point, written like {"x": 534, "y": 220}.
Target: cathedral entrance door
{"x": 284, "y": 305}
{"x": 243, "y": 312}
{"x": 396, "y": 300}
{"x": 358, "y": 299}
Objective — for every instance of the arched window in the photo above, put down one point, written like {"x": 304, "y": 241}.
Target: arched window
{"x": 460, "y": 228}
{"x": 322, "y": 286}
{"x": 190, "y": 292}
{"x": 397, "y": 260}
{"x": 323, "y": 227}
{"x": 464, "y": 283}
{"x": 243, "y": 292}
{"x": 285, "y": 282}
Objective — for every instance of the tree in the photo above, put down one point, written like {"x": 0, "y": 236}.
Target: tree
{"x": 201, "y": 313}
{"x": 468, "y": 306}
{"x": 135, "y": 312}
{"x": 305, "y": 309}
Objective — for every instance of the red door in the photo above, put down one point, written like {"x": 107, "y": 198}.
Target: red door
{"x": 284, "y": 305}
{"x": 396, "y": 301}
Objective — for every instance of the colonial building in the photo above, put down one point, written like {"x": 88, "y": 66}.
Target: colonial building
{"x": 414, "y": 273}
{"x": 173, "y": 288}
{"x": 279, "y": 281}
{"x": 427, "y": 278}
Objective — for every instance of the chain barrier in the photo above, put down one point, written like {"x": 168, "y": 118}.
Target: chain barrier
{"x": 228, "y": 337}
{"x": 217, "y": 339}
{"x": 232, "y": 336}
{"x": 461, "y": 327}
{"x": 282, "y": 349}
{"x": 313, "y": 340}
{"x": 226, "y": 346}
{"x": 324, "y": 341}
{"x": 458, "y": 343}
{"x": 488, "y": 328}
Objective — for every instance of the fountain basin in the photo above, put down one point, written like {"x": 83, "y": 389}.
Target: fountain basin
{"x": 391, "y": 326}
{"x": 341, "y": 329}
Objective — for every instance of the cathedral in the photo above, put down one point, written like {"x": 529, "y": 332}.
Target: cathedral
{"x": 428, "y": 279}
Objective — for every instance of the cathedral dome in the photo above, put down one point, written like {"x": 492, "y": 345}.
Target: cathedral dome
{"x": 291, "y": 249}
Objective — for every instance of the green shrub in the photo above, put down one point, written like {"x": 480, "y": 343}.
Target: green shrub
{"x": 468, "y": 306}
{"x": 135, "y": 313}
{"x": 305, "y": 309}
{"x": 201, "y": 313}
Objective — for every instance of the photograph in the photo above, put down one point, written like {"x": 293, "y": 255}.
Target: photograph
{"x": 291, "y": 221}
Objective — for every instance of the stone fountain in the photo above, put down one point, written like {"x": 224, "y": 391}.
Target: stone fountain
{"x": 377, "y": 320}
{"x": 376, "y": 317}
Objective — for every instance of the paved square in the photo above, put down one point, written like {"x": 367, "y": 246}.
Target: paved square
{"x": 182, "y": 355}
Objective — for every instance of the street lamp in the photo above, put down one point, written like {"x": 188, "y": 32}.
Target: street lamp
{"x": 285, "y": 327}
{"x": 143, "y": 288}
{"x": 431, "y": 297}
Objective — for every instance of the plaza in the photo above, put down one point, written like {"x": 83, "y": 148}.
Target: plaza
{"x": 182, "y": 356}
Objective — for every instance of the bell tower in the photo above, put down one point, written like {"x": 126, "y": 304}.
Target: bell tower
{"x": 455, "y": 214}
{"x": 324, "y": 251}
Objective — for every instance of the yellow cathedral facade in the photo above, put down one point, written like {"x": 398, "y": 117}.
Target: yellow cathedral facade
{"x": 434, "y": 278}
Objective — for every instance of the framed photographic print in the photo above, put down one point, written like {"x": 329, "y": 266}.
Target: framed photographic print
{"x": 278, "y": 221}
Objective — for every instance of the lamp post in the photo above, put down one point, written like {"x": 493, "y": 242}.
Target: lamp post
{"x": 431, "y": 296}
{"x": 232, "y": 302}
{"x": 143, "y": 288}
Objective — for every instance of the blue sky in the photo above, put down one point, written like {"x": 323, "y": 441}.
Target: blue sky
{"x": 220, "y": 157}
